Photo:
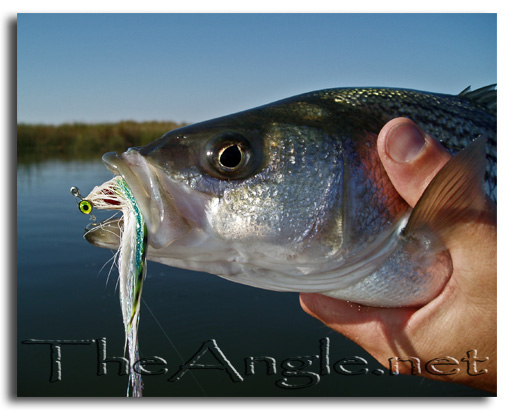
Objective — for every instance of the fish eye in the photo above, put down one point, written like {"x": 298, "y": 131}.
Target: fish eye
{"x": 230, "y": 156}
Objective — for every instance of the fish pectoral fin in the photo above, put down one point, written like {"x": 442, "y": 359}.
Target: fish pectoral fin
{"x": 454, "y": 195}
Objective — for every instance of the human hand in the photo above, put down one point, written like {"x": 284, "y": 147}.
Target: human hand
{"x": 453, "y": 336}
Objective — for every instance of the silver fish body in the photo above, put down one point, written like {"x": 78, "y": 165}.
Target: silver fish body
{"x": 292, "y": 196}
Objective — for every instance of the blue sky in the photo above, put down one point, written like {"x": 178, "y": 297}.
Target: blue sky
{"x": 192, "y": 67}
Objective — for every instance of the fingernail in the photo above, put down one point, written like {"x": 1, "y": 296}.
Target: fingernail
{"x": 404, "y": 143}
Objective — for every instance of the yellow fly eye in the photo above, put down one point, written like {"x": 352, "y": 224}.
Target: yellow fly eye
{"x": 85, "y": 206}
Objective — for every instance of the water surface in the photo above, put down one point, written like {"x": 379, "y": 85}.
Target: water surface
{"x": 66, "y": 291}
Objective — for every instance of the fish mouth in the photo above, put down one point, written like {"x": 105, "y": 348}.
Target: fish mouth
{"x": 163, "y": 219}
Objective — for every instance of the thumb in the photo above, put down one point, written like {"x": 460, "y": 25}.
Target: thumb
{"x": 410, "y": 157}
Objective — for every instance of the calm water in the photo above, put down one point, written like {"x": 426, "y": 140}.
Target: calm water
{"x": 65, "y": 293}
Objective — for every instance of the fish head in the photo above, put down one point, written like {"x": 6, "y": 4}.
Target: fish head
{"x": 233, "y": 192}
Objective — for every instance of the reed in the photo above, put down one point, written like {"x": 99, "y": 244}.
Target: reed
{"x": 81, "y": 140}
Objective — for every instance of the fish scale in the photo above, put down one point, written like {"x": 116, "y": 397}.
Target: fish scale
{"x": 453, "y": 120}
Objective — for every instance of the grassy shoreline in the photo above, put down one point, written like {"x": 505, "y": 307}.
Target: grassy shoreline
{"x": 83, "y": 140}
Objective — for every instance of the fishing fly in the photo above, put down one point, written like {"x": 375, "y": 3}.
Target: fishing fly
{"x": 116, "y": 195}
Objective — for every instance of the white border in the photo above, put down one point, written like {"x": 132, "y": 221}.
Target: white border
{"x": 506, "y": 149}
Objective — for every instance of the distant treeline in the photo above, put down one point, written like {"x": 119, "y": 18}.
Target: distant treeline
{"x": 80, "y": 140}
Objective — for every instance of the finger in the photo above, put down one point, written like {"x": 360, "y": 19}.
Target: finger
{"x": 378, "y": 330}
{"x": 342, "y": 316}
{"x": 345, "y": 314}
{"x": 410, "y": 157}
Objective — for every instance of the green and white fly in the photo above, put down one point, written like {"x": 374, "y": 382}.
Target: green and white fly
{"x": 116, "y": 195}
